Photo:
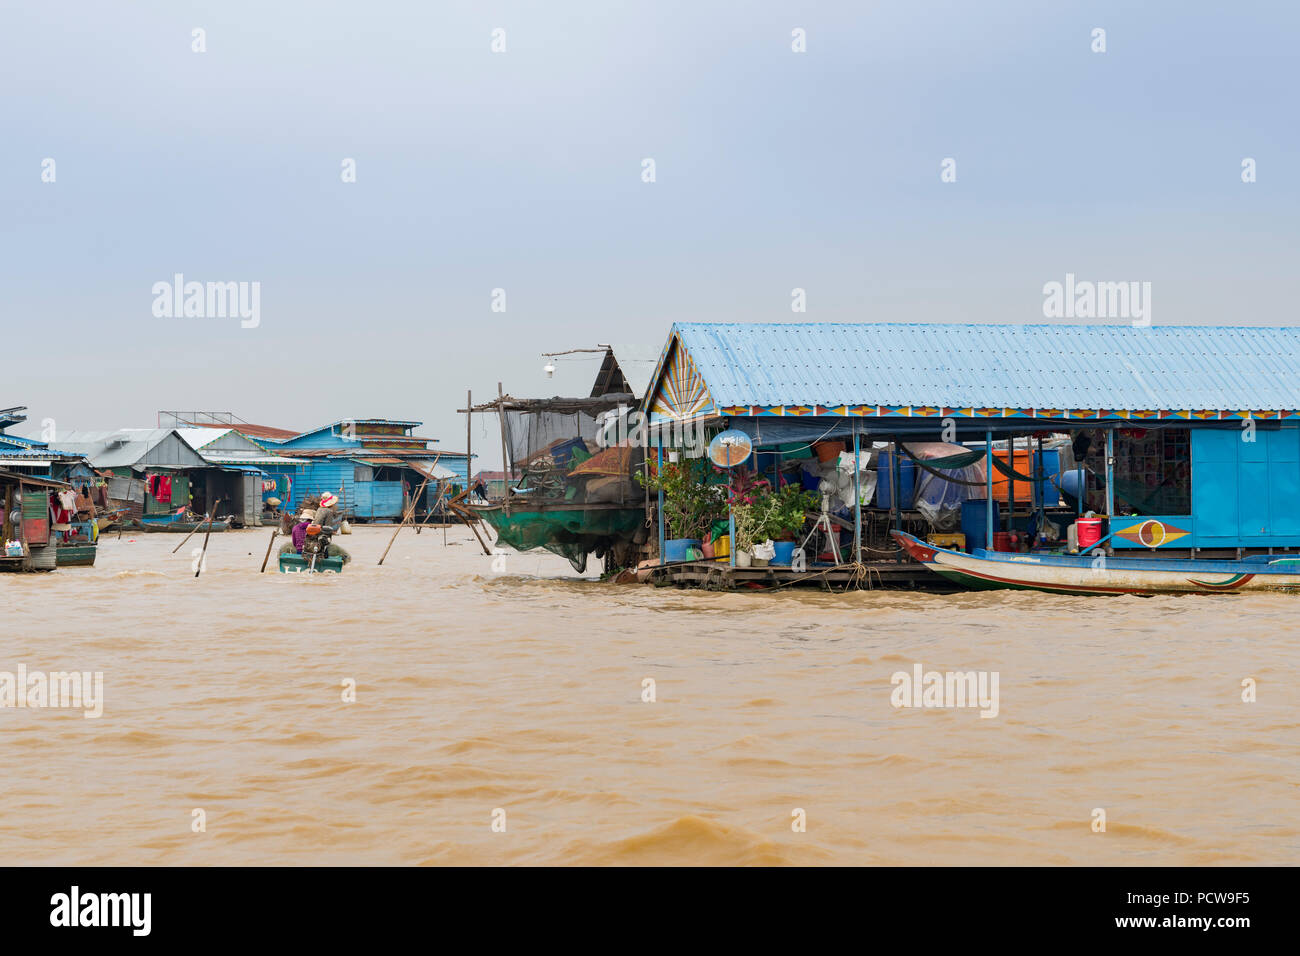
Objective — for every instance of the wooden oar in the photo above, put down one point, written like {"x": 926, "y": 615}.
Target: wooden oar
{"x": 410, "y": 513}
{"x": 206, "y": 536}
{"x": 274, "y": 532}
{"x": 207, "y": 520}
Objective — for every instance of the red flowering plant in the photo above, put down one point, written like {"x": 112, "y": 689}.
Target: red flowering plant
{"x": 748, "y": 496}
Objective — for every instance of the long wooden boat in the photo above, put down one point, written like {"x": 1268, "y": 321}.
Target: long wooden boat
{"x": 180, "y": 527}
{"x": 75, "y": 555}
{"x": 1085, "y": 574}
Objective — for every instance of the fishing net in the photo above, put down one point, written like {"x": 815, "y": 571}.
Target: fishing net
{"x": 570, "y": 534}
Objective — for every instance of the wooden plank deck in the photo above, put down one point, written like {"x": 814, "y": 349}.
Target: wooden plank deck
{"x": 872, "y": 575}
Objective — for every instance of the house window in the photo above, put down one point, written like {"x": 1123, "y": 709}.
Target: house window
{"x": 1153, "y": 470}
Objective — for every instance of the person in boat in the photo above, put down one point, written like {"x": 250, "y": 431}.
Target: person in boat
{"x": 298, "y": 534}
{"x": 329, "y": 518}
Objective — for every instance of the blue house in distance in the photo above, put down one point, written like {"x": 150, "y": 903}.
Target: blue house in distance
{"x": 374, "y": 465}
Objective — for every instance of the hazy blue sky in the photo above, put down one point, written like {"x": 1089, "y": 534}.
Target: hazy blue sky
{"x": 522, "y": 170}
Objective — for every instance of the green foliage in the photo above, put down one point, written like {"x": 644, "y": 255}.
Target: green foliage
{"x": 785, "y": 512}
{"x": 691, "y": 504}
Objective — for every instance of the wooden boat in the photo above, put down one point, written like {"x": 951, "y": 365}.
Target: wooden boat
{"x": 1104, "y": 574}
{"x": 180, "y": 527}
{"x": 79, "y": 552}
{"x": 296, "y": 563}
{"x": 75, "y": 555}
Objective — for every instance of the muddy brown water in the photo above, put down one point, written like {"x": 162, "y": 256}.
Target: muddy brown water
{"x": 521, "y": 690}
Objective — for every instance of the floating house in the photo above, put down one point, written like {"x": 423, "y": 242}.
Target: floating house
{"x": 374, "y": 465}
{"x": 154, "y": 472}
{"x": 1185, "y": 439}
{"x": 27, "y": 455}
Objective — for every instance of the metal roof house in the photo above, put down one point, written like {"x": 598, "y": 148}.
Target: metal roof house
{"x": 28, "y": 455}
{"x": 1207, "y": 416}
{"x": 195, "y": 478}
{"x": 372, "y": 464}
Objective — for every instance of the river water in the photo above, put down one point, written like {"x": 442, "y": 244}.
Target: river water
{"x": 516, "y": 695}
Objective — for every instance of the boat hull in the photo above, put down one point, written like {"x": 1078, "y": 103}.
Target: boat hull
{"x": 297, "y": 564}
{"x": 1085, "y": 574}
{"x": 75, "y": 555}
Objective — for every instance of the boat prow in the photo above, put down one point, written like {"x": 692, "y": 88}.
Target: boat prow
{"x": 1103, "y": 574}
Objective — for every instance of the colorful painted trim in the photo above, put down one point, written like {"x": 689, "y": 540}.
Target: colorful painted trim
{"x": 930, "y": 411}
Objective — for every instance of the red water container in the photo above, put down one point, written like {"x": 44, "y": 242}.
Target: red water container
{"x": 1089, "y": 530}
{"x": 1001, "y": 541}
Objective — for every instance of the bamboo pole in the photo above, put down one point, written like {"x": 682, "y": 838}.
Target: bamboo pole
{"x": 506, "y": 468}
{"x": 270, "y": 544}
{"x": 206, "y": 536}
{"x": 207, "y": 519}
{"x": 410, "y": 513}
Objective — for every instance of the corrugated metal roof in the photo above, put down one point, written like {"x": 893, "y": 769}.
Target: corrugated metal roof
{"x": 1016, "y": 366}
{"x": 116, "y": 448}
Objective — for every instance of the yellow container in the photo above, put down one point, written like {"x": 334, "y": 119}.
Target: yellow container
{"x": 950, "y": 541}
{"x": 722, "y": 548}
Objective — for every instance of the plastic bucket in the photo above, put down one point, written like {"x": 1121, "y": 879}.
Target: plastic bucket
{"x": 1089, "y": 532}
{"x": 1001, "y": 540}
{"x": 722, "y": 548}
{"x": 675, "y": 549}
{"x": 784, "y": 552}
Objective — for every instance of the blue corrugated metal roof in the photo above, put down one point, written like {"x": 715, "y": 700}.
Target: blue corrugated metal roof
{"x": 1016, "y": 366}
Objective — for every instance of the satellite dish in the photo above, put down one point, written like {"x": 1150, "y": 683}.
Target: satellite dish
{"x": 730, "y": 448}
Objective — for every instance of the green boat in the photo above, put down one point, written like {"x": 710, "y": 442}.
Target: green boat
{"x": 572, "y": 531}
{"x": 296, "y": 563}
{"x": 75, "y": 555}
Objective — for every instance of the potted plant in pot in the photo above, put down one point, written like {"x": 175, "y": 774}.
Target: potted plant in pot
{"x": 786, "y": 513}
{"x": 691, "y": 504}
{"x": 747, "y": 497}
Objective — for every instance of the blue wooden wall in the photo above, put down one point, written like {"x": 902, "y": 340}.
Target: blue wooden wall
{"x": 1245, "y": 494}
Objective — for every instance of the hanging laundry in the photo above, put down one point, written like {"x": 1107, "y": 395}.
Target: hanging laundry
{"x": 164, "y": 492}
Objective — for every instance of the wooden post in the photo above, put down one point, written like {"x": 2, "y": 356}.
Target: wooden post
{"x": 1110, "y": 476}
{"x": 660, "y": 443}
{"x": 988, "y": 490}
{"x": 896, "y": 480}
{"x": 857, "y": 496}
{"x": 207, "y": 520}
{"x": 469, "y": 438}
{"x": 1011, "y": 483}
{"x": 410, "y": 512}
{"x": 507, "y": 467}
{"x": 206, "y": 536}
{"x": 269, "y": 545}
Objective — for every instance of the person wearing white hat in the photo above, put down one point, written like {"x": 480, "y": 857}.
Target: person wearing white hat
{"x": 328, "y": 517}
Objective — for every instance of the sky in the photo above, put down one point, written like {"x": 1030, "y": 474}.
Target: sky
{"x": 523, "y": 170}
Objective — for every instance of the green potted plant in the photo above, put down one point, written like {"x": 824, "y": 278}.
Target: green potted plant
{"x": 785, "y": 514}
{"x": 691, "y": 504}
{"x": 747, "y": 497}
